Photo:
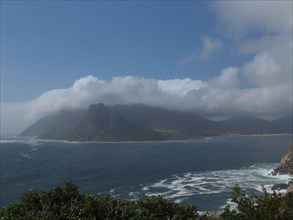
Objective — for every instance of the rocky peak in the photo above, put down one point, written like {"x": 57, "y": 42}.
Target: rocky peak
{"x": 98, "y": 115}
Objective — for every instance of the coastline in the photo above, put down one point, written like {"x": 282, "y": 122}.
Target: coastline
{"x": 26, "y": 138}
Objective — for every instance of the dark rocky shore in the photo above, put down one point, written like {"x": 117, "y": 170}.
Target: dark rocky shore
{"x": 285, "y": 167}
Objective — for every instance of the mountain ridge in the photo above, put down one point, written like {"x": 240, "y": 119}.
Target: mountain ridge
{"x": 144, "y": 123}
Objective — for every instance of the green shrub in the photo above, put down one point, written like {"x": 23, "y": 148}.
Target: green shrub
{"x": 257, "y": 207}
{"x": 65, "y": 202}
{"x": 254, "y": 206}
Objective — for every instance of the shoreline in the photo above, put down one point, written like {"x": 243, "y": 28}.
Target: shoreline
{"x": 12, "y": 139}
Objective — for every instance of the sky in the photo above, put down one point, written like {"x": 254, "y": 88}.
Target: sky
{"x": 213, "y": 58}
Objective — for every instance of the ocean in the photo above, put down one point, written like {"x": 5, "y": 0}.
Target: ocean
{"x": 198, "y": 172}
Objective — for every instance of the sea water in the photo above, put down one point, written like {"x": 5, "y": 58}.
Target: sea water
{"x": 198, "y": 172}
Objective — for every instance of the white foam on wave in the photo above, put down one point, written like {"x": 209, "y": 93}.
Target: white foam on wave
{"x": 8, "y": 141}
{"x": 229, "y": 202}
{"x": 145, "y": 188}
{"x": 26, "y": 155}
{"x": 30, "y": 145}
{"x": 179, "y": 200}
{"x": 182, "y": 186}
{"x": 32, "y": 142}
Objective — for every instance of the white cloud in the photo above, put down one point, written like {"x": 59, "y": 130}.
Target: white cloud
{"x": 120, "y": 90}
{"x": 180, "y": 87}
{"x": 263, "y": 70}
{"x": 219, "y": 96}
{"x": 209, "y": 47}
{"x": 227, "y": 79}
{"x": 239, "y": 18}
{"x": 263, "y": 30}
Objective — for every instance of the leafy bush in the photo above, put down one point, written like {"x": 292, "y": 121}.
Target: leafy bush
{"x": 65, "y": 202}
{"x": 254, "y": 206}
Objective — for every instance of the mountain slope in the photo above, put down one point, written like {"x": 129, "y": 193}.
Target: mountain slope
{"x": 40, "y": 127}
{"x": 65, "y": 125}
{"x": 284, "y": 124}
{"x": 249, "y": 125}
{"x": 139, "y": 123}
{"x": 98, "y": 123}
{"x": 56, "y": 126}
{"x": 104, "y": 124}
{"x": 174, "y": 124}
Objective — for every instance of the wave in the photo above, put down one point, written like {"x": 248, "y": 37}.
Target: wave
{"x": 33, "y": 144}
{"x": 180, "y": 187}
{"x": 26, "y": 155}
{"x": 9, "y": 141}
{"x": 31, "y": 141}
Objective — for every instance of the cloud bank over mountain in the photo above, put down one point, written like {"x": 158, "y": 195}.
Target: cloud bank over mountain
{"x": 219, "y": 96}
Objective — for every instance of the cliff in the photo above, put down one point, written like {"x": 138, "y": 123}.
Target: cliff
{"x": 286, "y": 165}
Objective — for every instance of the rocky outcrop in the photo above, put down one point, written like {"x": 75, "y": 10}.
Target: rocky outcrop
{"x": 280, "y": 186}
{"x": 290, "y": 188}
{"x": 286, "y": 165}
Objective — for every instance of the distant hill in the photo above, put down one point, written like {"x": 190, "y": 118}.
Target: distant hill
{"x": 41, "y": 127}
{"x": 143, "y": 123}
{"x": 284, "y": 124}
{"x": 252, "y": 125}
{"x": 173, "y": 124}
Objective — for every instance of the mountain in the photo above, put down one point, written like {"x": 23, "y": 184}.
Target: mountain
{"x": 284, "y": 124}
{"x": 101, "y": 123}
{"x": 246, "y": 124}
{"x": 144, "y": 123}
{"x": 172, "y": 124}
{"x": 65, "y": 124}
{"x": 97, "y": 123}
{"x": 41, "y": 127}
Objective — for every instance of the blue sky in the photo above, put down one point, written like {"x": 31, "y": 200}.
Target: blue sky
{"x": 213, "y": 58}
{"x": 48, "y": 45}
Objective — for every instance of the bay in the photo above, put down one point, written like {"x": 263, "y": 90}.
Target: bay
{"x": 198, "y": 172}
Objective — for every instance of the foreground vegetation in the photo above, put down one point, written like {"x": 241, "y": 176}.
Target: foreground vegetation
{"x": 254, "y": 206}
{"x": 65, "y": 202}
